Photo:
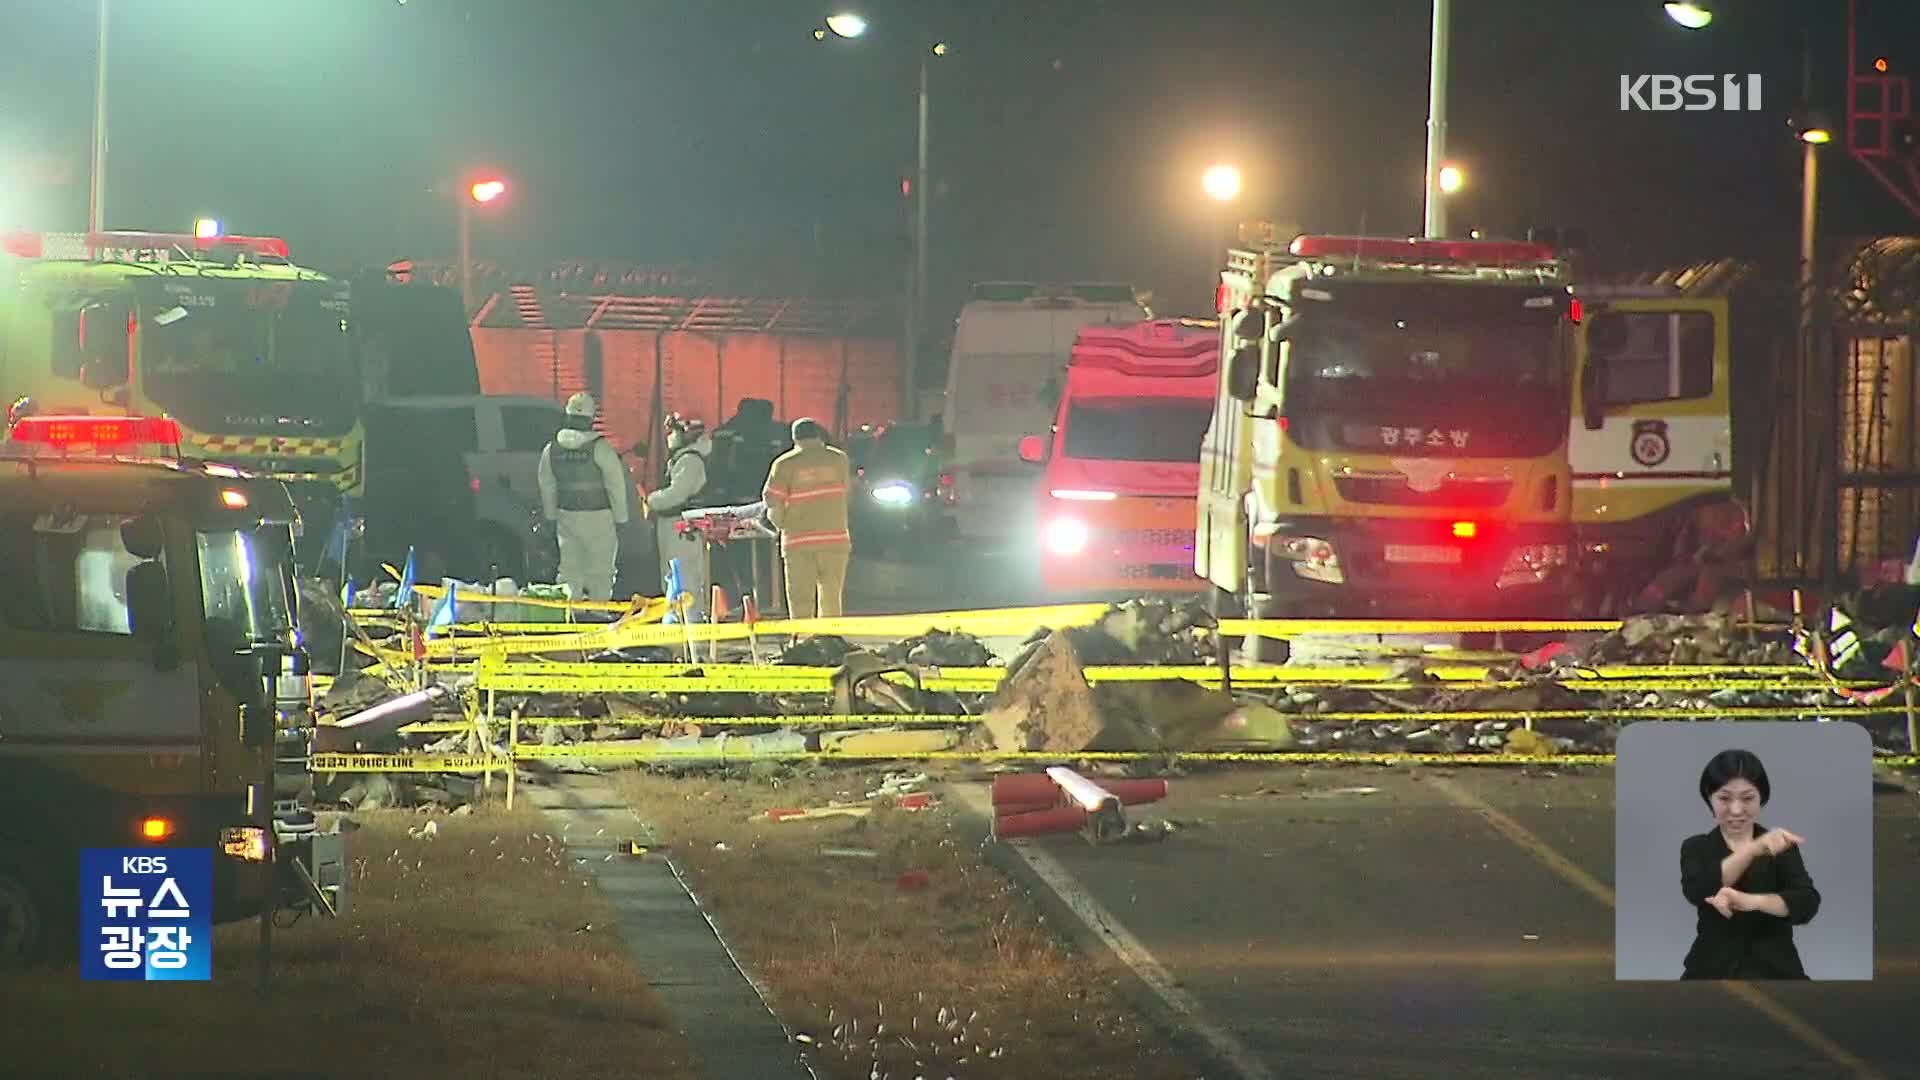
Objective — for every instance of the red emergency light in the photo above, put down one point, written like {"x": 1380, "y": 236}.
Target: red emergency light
{"x": 104, "y": 246}
{"x": 1464, "y": 252}
{"x": 62, "y": 432}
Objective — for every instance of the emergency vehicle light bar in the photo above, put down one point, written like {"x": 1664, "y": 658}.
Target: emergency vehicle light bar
{"x": 1464, "y": 252}
{"x": 131, "y": 246}
{"x": 68, "y": 431}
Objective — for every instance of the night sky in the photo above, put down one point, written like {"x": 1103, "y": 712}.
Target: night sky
{"x": 1067, "y": 136}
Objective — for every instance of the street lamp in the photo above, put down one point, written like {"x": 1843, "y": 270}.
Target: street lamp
{"x": 1221, "y": 183}
{"x": 848, "y": 24}
{"x": 1437, "y": 121}
{"x": 480, "y": 192}
{"x": 206, "y": 228}
{"x": 1451, "y": 179}
{"x": 1692, "y": 16}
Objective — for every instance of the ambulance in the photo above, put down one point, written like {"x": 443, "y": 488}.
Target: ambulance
{"x": 1122, "y": 461}
{"x": 147, "y": 625}
{"x": 1010, "y": 351}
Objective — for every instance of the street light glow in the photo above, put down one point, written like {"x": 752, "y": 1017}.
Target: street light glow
{"x": 1816, "y": 135}
{"x": 847, "y": 24}
{"x": 485, "y": 191}
{"x": 1451, "y": 178}
{"x": 1691, "y": 16}
{"x": 206, "y": 228}
{"x": 1221, "y": 182}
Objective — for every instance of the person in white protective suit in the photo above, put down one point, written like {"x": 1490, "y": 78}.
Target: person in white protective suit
{"x": 583, "y": 491}
{"x": 688, "y": 450}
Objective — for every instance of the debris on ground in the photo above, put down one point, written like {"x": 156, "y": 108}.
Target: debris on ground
{"x": 940, "y": 648}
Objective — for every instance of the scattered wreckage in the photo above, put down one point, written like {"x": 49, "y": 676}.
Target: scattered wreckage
{"x": 1044, "y": 702}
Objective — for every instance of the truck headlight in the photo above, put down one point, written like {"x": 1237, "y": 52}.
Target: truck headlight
{"x": 1531, "y": 564}
{"x": 1066, "y": 536}
{"x": 1313, "y": 558}
{"x": 247, "y": 842}
{"x": 895, "y": 494}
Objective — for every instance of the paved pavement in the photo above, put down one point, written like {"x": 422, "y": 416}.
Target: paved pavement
{"x": 1457, "y": 923}
{"x": 723, "y": 1016}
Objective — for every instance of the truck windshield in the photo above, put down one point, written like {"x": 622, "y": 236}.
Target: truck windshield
{"x": 1128, "y": 429}
{"x": 1426, "y": 348}
{"x": 234, "y": 356}
{"x": 243, "y": 586}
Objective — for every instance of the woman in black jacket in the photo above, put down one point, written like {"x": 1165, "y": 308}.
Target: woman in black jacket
{"x": 1749, "y": 883}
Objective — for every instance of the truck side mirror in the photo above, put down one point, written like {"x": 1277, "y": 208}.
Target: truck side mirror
{"x": 103, "y": 341}
{"x": 1250, "y": 325}
{"x": 1033, "y": 449}
{"x": 150, "y": 611}
{"x": 1243, "y": 372}
{"x": 1593, "y": 391}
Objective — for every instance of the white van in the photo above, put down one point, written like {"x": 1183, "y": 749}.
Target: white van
{"x": 1010, "y": 352}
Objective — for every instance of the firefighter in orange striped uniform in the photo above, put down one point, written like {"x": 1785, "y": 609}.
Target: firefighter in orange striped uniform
{"x": 806, "y": 496}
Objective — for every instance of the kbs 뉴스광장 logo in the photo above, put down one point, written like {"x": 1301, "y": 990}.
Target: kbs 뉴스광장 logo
{"x": 146, "y": 914}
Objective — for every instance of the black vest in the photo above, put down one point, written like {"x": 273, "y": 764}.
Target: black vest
{"x": 577, "y": 480}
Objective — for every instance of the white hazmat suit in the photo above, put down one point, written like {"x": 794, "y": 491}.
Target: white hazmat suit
{"x": 686, "y": 479}
{"x": 583, "y": 491}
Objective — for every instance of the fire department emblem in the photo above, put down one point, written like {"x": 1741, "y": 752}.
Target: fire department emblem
{"x": 1650, "y": 443}
{"x": 1424, "y": 475}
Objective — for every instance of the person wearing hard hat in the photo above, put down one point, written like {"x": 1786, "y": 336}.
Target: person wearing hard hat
{"x": 688, "y": 449}
{"x": 806, "y": 496}
{"x": 583, "y": 491}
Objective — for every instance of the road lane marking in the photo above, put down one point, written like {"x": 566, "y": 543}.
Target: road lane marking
{"x": 1128, "y": 948}
{"x": 1751, "y": 995}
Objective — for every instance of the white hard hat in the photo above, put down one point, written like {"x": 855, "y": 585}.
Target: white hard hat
{"x": 580, "y": 404}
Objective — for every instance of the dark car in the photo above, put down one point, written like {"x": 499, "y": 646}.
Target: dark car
{"x": 902, "y": 499}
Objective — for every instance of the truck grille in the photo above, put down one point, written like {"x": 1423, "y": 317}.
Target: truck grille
{"x": 1393, "y": 490}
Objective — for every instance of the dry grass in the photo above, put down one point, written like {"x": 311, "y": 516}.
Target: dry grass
{"x": 961, "y": 973}
{"x": 459, "y": 956}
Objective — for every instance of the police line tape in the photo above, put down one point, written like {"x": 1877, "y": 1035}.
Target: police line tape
{"x": 431, "y": 763}
{"x": 1420, "y": 716}
{"x": 494, "y": 673}
{"x": 1013, "y": 622}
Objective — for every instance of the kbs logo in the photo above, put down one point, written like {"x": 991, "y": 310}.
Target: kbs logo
{"x": 1691, "y": 93}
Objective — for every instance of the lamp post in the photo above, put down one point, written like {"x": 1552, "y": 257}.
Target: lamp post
{"x": 479, "y": 192}
{"x": 1222, "y": 183}
{"x": 850, "y": 25}
{"x": 96, "y": 191}
{"x": 1436, "y": 223}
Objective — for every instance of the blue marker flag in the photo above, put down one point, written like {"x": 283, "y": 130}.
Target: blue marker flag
{"x": 673, "y": 590}
{"x": 443, "y": 612}
{"x": 146, "y": 914}
{"x": 405, "y": 596}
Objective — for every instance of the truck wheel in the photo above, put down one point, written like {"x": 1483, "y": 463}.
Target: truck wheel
{"x": 1261, "y": 605}
{"x": 25, "y": 914}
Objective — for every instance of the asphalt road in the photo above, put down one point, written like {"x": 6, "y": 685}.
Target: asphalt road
{"x": 1403, "y": 933}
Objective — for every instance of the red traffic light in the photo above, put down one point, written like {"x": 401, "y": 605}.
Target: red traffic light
{"x": 485, "y": 191}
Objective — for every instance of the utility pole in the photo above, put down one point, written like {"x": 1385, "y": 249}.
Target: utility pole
{"x": 917, "y": 293}
{"x": 1437, "y": 123}
{"x": 96, "y": 199}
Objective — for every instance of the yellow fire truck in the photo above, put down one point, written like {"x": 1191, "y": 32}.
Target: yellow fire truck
{"x": 148, "y": 602}
{"x": 1390, "y": 431}
{"x": 247, "y": 350}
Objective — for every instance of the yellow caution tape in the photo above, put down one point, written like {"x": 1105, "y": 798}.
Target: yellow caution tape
{"x": 424, "y": 763}
{"x": 1288, "y": 628}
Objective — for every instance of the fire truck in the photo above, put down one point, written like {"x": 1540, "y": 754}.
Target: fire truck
{"x": 1116, "y": 501}
{"x": 147, "y": 637}
{"x": 1389, "y": 435}
{"x": 248, "y": 351}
